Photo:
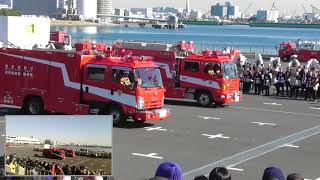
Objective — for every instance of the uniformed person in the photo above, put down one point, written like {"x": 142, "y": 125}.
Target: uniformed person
{"x": 247, "y": 80}
{"x": 280, "y": 81}
{"x": 257, "y": 80}
{"x": 266, "y": 82}
{"x": 125, "y": 80}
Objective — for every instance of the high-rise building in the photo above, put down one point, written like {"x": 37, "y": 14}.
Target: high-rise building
{"x": 219, "y": 10}
{"x": 267, "y": 15}
{"x": 105, "y": 8}
{"x": 228, "y": 10}
{"x": 87, "y": 8}
{"x": 188, "y": 10}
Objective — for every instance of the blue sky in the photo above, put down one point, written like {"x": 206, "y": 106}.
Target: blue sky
{"x": 286, "y": 6}
{"x": 78, "y": 129}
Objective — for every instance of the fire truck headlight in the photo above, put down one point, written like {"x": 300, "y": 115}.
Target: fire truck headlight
{"x": 140, "y": 103}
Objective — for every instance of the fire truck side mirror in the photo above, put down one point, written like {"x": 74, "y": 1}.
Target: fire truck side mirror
{"x": 112, "y": 92}
{"x": 87, "y": 89}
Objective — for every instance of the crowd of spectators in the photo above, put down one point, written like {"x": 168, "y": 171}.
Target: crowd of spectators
{"x": 27, "y": 166}
{"x": 170, "y": 170}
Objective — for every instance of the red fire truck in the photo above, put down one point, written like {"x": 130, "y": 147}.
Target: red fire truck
{"x": 208, "y": 77}
{"x": 305, "y": 50}
{"x": 81, "y": 81}
{"x": 53, "y": 153}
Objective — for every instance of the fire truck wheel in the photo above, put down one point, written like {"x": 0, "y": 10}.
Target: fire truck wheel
{"x": 117, "y": 114}
{"x": 204, "y": 98}
{"x": 33, "y": 106}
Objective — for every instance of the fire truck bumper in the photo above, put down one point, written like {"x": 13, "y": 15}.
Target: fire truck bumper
{"x": 231, "y": 97}
{"x": 154, "y": 115}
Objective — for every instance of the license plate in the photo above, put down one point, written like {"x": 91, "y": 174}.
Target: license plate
{"x": 162, "y": 113}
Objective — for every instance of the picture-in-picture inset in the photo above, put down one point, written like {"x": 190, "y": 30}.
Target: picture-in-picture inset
{"x": 58, "y": 145}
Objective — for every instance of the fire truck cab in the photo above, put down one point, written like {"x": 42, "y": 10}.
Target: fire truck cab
{"x": 305, "y": 49}
{"x": 82, "y": 81}
{"x": 286, "y": 50}
{"x": 210, "y": 77}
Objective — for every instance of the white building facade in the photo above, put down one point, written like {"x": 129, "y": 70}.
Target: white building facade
{"x": 21, "y": 140}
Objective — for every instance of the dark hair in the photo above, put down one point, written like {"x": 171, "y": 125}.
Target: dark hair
{"x": 201, "y": 177}
{"x": 220, "y": 173}
{"x": 295, "y": 176}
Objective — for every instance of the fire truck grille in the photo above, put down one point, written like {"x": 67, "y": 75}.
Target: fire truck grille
{"x": 153, "y": 104}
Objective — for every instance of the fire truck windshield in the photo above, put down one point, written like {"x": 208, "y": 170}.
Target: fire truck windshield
{"x": 229, "y": 70}
{"x": 148, "y": 77}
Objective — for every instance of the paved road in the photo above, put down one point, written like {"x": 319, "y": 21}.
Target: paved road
{"x": 247, "y": 136}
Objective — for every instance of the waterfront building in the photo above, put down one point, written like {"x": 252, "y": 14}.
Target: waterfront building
{"x": 267, "y": 15}
{"x": 147, "y": 12}
{"x": 228, "y": 10}
{"x": 21, "y": 140}
{"x": 195, "y": 14}
{"x": 219, "y": 10}
{"x": 87, "y": 9}
{"x": 105, "y": 8}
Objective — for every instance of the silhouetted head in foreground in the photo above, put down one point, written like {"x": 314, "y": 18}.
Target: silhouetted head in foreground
{"x": 273, "y": 173}
{"x": 168, "y": 170}
{"x": 295, "y": 176}
{"x": 220, "y": 173}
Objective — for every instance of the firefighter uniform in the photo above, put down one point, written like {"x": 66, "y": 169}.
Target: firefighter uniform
{"x": 247, "y": 80}
{"x": 303, "y": 78}
{"x": 280, "y": 83}
{"x": 309, "y": 87}
{"x": 257, "y": 79}
{"x": 267, "y": 83}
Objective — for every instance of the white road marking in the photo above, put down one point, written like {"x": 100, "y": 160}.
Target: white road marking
{"x": 155, "y": 129}
{"x": 291, "y": 145}
{"x": 3, "y": 135}
{"x": 318, "y": 178}
{"x": 151, "y": 155}
{"x": 315, "y": 108}
{"x": 204, "y": 117}
{"x": 253, "y": 153}
{"x": 216, "y": 136}
{"x": 268, "y": 110}
{"x": 262, "y": 124}
{"x": 273, "y": 104}
{"x": 234, "y": 169}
